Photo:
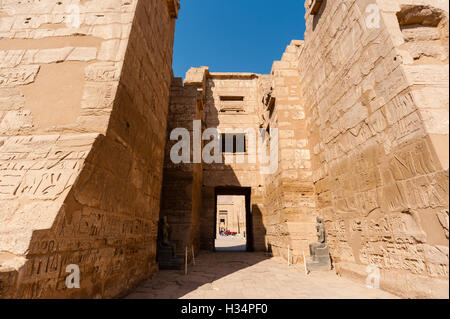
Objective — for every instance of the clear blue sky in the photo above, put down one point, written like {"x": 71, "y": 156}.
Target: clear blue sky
{"x": 235, "y": 35}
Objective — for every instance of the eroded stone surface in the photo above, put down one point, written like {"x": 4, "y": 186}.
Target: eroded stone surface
{"x": 81, "y": 155}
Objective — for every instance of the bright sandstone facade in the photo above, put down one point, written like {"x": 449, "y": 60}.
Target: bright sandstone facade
{"x": 376, "y": 98}
{"x": 83, "y": 126}
{"x": 361, "y": 106}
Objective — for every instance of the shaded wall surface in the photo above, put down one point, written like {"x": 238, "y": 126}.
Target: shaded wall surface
{"x": 82, "y": 122}
{"x": 289, "y": 202}
{"x": 376, "y": 97}
{"x": 181, "y": 195}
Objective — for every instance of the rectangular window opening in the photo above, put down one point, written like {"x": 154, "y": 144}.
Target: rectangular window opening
{"x": 232, "y": 98}
{"x": 232, "y": 104}
{"x": 237, "y": 143}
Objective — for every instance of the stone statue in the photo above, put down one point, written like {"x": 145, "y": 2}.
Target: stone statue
{"x": 320, "y": 254}
{"x": 164, "y": 232}
{"x": 321, "y": 236}
{"x": 166, "y": 255}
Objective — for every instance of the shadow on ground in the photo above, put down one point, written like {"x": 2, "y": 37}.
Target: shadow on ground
{"x": 209, "y": 268}
{"x": 234, "y": 275}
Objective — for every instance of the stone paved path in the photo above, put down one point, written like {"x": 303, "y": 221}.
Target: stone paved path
{"x": 229, "y": 275}
{"x": 231, "y": 244}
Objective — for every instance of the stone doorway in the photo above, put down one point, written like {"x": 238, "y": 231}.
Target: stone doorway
{"x": 233, "y": 219}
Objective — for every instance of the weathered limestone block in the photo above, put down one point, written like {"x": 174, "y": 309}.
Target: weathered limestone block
{"x": 81, "y": 150}
{"x": 379, "y": 162}
{"x": 18, "y": 76}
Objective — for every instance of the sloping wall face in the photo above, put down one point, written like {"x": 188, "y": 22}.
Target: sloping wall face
{"x": 182, "y": 183}
{"x": 371, "y": 94}
{"x": 84, "y": 92}
{"x": 289, "y": 202}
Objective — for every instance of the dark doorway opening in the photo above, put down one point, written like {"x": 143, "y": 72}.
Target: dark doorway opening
{"x": 233, "y": 224}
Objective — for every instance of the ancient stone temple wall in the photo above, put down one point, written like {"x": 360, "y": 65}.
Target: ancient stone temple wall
{"x": 222, "y": 101}
{"x": 231, "y": 103}
{"x": 182, "y": 183}
{"x": 374, "y": 82}
{"x": 88, "y": 102}
{"x": 289, "y": 204}
{"x": 84, "y": 93}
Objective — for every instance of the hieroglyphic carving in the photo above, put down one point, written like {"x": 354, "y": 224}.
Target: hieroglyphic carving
{"x": 102, "y": 72}
{"x": 444, "y": 220}
{"x": 399, "y": 107}
{"x": 11, "y": 58}
{"x": 99, "y": 95}
{"x": 42, "y": 172}
{"x": 18, "y": 76}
